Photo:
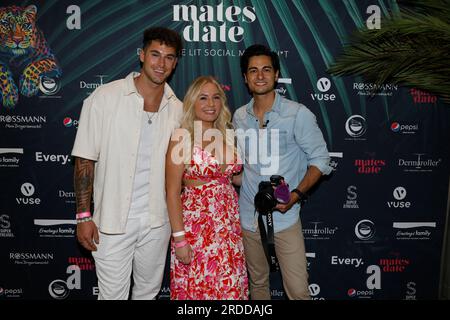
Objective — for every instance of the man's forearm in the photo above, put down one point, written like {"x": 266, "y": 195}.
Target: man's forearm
{"x": 83, "y": 183}
{"x": 312, "y": 175}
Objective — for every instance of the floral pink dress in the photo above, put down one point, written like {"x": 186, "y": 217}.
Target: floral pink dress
{"x": 211, "y": 221}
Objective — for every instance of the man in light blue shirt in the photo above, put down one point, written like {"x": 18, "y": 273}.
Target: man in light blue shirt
{"x": 276, "y": 136}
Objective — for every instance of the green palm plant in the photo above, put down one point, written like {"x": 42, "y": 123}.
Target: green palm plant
{"x": 412, "y": 49}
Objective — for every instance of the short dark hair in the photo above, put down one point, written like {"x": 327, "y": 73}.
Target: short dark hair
{"x": 259, "y": 50}
{"x": 165, "y": 36}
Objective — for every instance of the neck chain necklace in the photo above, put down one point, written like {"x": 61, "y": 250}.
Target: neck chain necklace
{"x": 149, "y": 121}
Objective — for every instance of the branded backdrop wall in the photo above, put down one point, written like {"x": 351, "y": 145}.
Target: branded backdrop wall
{"x": 374, "y": 229}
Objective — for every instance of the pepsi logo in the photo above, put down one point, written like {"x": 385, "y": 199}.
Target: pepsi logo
{"x": 395, "y": 126}
{"x": 67, "y": 122}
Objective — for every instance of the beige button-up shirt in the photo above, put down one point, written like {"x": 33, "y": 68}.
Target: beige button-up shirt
{"x": 108, "y": 133}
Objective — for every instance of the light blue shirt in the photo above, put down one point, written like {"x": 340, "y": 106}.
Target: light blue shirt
{"x": 300, "y": 144}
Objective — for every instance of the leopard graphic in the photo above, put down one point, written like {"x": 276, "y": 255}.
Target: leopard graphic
{"x": 24, "y": 54}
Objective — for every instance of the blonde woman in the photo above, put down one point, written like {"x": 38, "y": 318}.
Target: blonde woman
{"x": 207, "y": 253}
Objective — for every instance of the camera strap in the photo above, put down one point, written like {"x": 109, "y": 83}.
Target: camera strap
{"x": 268, "y": 241}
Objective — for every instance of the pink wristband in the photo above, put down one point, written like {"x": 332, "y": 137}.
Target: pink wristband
{"x": 82, "y": 215}
{"x": 181, "y": 244}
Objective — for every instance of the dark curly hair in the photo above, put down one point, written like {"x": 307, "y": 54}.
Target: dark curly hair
{"x": 166, "y": 36}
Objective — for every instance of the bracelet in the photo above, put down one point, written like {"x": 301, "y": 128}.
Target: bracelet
{"x": 181, "y": 244}
{"x": 301, "y": 195}
{"x": 82, "y": 215}
{"x": 84, "y": 220}
{"x": 178, "y": 233}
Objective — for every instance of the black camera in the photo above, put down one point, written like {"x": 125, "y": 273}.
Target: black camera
{"x": 270, "y": 193}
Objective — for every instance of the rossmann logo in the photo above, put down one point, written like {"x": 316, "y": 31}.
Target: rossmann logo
{"x": 23, "y": 122}
{"x": 373, "y": 89}
{"x": 163, "y": 293}
{"x": 205, "y": 21}
{"x": 30, "y": 258}
{"x": 23, "y": 119}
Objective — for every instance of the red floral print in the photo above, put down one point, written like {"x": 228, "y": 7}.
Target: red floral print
{"x": 211, "y": 221}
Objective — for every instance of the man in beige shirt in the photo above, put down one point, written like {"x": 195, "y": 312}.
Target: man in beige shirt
{"x": 123, "y": 134}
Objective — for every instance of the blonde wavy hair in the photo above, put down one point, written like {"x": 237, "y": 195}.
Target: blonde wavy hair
{"x": 223, "y": 121}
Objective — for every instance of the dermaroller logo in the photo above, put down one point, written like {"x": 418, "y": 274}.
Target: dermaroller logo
{"x": 419, "y": 163}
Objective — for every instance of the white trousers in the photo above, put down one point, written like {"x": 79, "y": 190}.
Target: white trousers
{"x": 142, "y": 250}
